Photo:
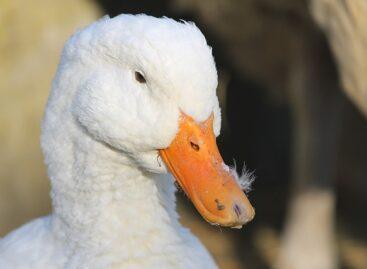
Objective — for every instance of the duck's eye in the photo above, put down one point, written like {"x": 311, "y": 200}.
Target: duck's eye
{"x": 194, "y": 146}
{"x": 139, "y": 77}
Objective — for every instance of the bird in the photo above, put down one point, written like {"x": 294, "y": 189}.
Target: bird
{"x": 132, "y": 110}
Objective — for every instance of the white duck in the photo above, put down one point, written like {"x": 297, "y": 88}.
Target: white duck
{"x": 128, "y": 91}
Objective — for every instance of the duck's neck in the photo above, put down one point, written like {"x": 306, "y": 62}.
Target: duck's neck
{"x": 103, "y": 203}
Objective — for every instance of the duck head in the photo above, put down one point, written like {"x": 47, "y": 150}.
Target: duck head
{"x": 146, "y": 87}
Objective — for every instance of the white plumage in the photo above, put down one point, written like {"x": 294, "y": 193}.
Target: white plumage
{"x": 113, "y": 202}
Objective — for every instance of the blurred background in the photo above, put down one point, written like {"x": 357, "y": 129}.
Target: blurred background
{"x": 293, "y": 90}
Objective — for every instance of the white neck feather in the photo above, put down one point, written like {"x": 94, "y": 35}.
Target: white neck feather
{"x": 109, "y": 207}
{"x": 103, "y": 203}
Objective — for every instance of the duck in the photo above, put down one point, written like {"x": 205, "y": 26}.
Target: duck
{"x": 132, "y": 113}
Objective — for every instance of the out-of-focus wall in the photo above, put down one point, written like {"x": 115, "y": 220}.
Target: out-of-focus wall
{"x": 32, "y": 34}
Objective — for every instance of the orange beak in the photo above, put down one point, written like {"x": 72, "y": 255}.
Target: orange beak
{"x": 194, "y": 160}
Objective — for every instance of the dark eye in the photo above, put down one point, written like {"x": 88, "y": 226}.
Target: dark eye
{"x": 139, "y": 77}
{"x": 194, "y": 146}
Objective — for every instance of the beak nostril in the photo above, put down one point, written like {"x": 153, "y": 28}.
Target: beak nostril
{"x": 237, "y": 210}
{"x": 194, "y": 146}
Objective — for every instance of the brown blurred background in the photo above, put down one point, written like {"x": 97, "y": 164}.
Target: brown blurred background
{"x": 293, "y": 89}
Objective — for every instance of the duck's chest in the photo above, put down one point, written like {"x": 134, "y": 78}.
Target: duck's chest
{"x": 191, "y": 256}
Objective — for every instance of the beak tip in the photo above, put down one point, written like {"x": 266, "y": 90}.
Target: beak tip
{"x": 242, "y": 215}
